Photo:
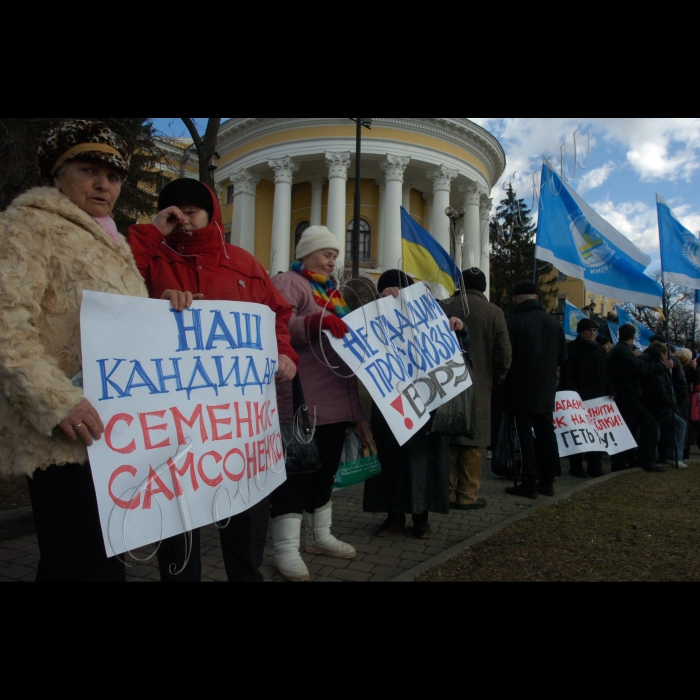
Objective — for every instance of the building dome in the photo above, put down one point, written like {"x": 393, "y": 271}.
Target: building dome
{"x": 279, "y": 175}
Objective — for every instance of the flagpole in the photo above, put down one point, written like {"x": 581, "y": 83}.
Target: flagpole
{"x": 668, "y": 333}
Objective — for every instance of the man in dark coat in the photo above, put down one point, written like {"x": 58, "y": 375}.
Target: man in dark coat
{"x": 530, "y": 389}
{"x": 491, "y": 353}
{"x": 625, "y": 372}
{"x": 585, "y": 372}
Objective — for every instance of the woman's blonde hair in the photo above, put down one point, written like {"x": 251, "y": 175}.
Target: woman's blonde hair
{"x": 685, "y": 356}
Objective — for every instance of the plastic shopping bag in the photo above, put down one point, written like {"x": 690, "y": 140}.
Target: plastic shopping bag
{"x": 360, "y": 461}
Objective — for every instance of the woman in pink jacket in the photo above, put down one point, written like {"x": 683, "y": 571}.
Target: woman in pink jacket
{"x": 317, "y": 306}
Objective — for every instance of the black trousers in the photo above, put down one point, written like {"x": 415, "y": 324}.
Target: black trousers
{"x": 594, "y": 459}
{"x": 644, "y": 427}
{"x": 309, "y": 492}
{"x": 541, "y": 453}
{"x": 242, "y": 543}
{"x": 68, "y": 528}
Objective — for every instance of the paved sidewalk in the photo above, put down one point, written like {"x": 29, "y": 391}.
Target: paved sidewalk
{"x": 377, "y": 559}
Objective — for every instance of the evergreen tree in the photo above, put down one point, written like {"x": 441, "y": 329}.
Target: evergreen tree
{"x": 512, "y": 236}
{"x": 19, "y": 170}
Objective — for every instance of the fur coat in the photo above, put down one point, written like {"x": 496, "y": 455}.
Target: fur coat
{"x": 50, "y": 251}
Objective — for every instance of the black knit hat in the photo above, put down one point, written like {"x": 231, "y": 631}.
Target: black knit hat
{"x": 474, "y": 279}
{"x": 186, "y": 191}
{"x": 603, "y": 340}
{"x": 585, "y": 324}
{"x": 394, "y": 278}
{"x": 526, "y": 289}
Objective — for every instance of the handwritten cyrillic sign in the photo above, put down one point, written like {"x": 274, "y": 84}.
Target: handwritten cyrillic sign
{"x": 189, "y": 404}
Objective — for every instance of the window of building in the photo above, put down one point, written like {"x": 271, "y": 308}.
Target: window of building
{"x": 561, "y": 307}
{"x": 300, "y": 232}
{"x": 161, "y": 183}
{"x": 562, "y": 277}
{"x": 229, "y": 194}
{"x": 365, "y": 241}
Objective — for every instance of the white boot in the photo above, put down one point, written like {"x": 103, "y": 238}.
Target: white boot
{"x": 318, "y": 535}
{"x": 286, "y": 536}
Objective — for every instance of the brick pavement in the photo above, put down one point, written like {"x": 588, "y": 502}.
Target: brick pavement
{"x": 378, "y": 560}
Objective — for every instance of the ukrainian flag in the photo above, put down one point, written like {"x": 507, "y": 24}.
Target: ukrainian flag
{"x": 425, "y": 259}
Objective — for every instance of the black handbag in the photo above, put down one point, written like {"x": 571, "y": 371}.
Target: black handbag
{"x": 301, "y": 451}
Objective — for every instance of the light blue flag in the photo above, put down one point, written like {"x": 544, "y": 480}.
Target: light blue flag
{"x": 641, "y": 340}
{"x": 572, "y": 316}
{"x": 680, "y": 250}
{"x": 580, "y": 243}
{"x": 697, "y": 301}
{"x": 614, "y": 329}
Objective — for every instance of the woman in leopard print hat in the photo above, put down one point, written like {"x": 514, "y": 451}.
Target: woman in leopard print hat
{"x": 56, "y": 242}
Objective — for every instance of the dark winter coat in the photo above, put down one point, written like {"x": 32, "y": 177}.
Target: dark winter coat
{"x": 415, "y": 478}
{"x": 490, "y": 351}
{"x": 625, "y": 372}
{"x": 586, "y": 370}
{"x": 680, "y": 386}
{"x": 539, "y": 349}
{"x": 656, "y": 388}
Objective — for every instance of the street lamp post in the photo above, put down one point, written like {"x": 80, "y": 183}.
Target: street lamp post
{"x": 367, "y": 123}
{"x": 454, "y": 215}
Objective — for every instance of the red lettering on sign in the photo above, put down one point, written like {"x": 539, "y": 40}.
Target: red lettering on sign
{"x": 153, "y": 478}
{"x": 175, "y": 473}
{"x": 234, "y": 477}
{"x": 200, "y": 468}
{"x": 215, "y": 422}
{"x": 147, "y": 430}
{"x": 131, "y": 447}
{"x": 180, "y": 419}
{"x": 134, "y": 503}
{"x": 243, "y": 421}
{"x": 559, "y": 423}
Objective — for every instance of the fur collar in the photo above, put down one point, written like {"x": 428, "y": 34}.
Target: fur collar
{"x": 51, "y": 201}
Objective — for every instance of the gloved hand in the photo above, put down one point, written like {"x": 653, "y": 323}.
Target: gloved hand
{"x": 335, "y": 325}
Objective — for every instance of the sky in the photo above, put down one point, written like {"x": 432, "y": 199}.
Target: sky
{"x": 631, "y": 159}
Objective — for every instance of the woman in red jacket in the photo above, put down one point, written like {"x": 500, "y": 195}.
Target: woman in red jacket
{"x": 185, "y": 249}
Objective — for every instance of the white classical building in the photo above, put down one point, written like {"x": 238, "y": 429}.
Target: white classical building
{"x": 277, "y": 176}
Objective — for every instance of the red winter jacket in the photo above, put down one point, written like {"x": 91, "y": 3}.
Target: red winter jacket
{"x": 204, "y": 263}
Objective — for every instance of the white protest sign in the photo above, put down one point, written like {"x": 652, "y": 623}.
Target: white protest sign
{"x": 615, "y": 437}
{"x": 590, "y": 426}
{"x": 406, "y": 355}
{"x": 189, "y": 403}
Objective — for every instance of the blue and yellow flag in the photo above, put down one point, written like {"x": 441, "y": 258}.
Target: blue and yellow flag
{"x": 572, "y": 317}
{"x": 425, "y": 259}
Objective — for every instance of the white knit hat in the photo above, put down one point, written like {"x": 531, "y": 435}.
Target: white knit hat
{"x": 314, "y": 239}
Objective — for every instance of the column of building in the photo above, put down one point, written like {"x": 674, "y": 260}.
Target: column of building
{"x": 485, "y": 218}
{"x": 392, "y": 249}
{"x": 280, "y": 257}
{"x": 442, "y": 187}
{"x": 317, "y": 184}
{"x": 243, "y": 226}
{"x": 472, "y": 226}
{"x": 338, "y": 164}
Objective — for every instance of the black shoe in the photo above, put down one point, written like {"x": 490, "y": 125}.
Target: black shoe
{"x": 578, "y": 472}
{"x": 523, "y": 491}
{"x": 595, "y": 473}
{"x": 421, "y": 527}
{"x": 546, "y": 488}
{"x": 481, "y": 503}
{"x": 453, "y": 506}
{"x": 616, "y": 468}
{"x": 395, "y": 523}
{"x": 654, "y": 469}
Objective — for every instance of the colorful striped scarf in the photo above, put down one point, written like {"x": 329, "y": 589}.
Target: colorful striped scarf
{"x": 324, "y": 289}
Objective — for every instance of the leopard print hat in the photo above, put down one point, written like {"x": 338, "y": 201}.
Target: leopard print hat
{"x": 83, "y": 138}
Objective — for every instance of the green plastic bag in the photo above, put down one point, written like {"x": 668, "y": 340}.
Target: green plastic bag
{"x": 359, "y": 461}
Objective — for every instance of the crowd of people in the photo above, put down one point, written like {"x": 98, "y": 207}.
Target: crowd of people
{"x": 57, "y": 241}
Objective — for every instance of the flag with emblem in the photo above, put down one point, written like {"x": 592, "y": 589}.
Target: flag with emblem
{"x": 680, "y": 249}
{"x": 572, "y": 317}
{"x": 580, "y": 243}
